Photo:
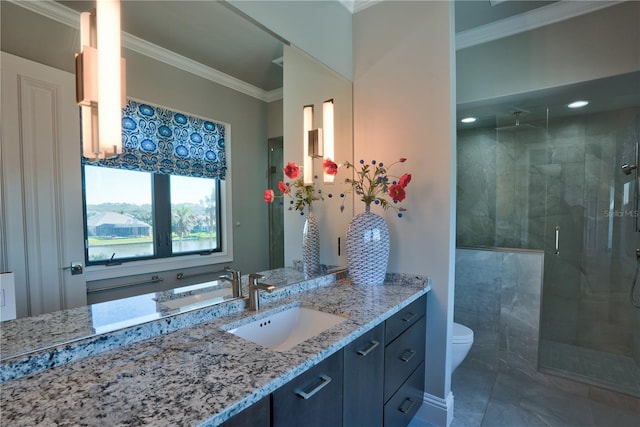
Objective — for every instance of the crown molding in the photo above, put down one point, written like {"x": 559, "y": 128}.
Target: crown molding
{"x": 71, "y": 18}
{"x": 533, "y": 19}
{"x": 354, "y": 6}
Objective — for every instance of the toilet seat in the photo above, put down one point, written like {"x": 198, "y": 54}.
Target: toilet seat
{"x": 462, "y": 334}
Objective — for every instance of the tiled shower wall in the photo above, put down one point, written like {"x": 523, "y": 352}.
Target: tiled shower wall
{"x": 498, "y": 296}
{"x": 516, "y": 186}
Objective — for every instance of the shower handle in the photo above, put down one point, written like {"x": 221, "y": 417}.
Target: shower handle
{"x": 557, "y": 240}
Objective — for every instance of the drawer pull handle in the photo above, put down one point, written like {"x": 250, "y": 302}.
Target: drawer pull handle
{"x": 406, "y": 405}
{"x": 409, "y": 317}
{"x": 372, "y": 345}
{"x": 407, "y": 355}
{"x": 324, "y": 380}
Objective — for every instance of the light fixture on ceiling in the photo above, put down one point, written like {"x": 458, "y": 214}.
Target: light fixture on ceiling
{"x": 468, "y": 120}
{"x": 578, "y": 104}
{"x": 100, "y": 81}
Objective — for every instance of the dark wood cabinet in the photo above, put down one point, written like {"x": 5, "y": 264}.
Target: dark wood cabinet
{"x": 256, "y": 415}
{"x": 404, "y": 404}
{"x": 377, "y": 380}
{"x": 404, "y": 361}
{"x": 314, "y": 398}
{"x": 364, "y": 380}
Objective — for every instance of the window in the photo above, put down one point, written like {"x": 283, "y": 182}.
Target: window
{"x": 162, "y": 196}
{"x": 133, "y": 215}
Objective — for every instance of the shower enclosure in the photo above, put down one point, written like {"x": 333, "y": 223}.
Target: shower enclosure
{"x": 542, "y": 176}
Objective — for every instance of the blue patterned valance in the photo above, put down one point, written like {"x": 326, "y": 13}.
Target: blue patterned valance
{"x": 155, "y": 139}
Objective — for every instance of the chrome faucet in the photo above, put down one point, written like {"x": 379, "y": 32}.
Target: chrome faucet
{"x": 254, "y": 288}
{"x": 233, "y": 277}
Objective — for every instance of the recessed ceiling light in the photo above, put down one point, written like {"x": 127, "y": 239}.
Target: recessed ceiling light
{"x": 468, "y": 120}
{"x": 578, "y": 104}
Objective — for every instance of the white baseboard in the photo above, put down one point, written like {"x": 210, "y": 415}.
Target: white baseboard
{"x": 435, "y": 411}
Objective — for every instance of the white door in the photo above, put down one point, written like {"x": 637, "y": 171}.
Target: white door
{"x": 41, "y": 205}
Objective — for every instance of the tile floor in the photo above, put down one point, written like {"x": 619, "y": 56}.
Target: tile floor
{"x": 488, "y": 398}
{"x": 607, "y": 369}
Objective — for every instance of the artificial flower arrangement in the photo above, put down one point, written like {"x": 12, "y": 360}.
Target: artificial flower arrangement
{"x": 301, "y": 194}
{"x": 373, "y": 183}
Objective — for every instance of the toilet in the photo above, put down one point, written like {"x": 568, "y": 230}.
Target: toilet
{"x": 462, "y": 341}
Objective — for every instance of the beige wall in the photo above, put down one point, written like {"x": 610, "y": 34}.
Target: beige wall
{"x": 307, "y": 82}
{"x": 404, "y": 106}
{"x": 274, "y": 119}
{"x": 591, "y": 46}
{"x": 248, "y": 143}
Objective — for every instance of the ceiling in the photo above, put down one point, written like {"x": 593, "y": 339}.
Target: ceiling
{"x": 208, "y": 32}
{"x": 476, "y": 13}
{"x": 214, "y": 34}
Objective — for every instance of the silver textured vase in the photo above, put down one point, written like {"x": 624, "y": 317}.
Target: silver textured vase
{"x": 367, "y": 248}
{"x": 311, "y": 246}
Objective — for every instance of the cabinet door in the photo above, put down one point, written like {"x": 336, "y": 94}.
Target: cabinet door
{"x": 313, "y": 399}
{"x": 256, "y": 415}
{"x": 363, "y": 380}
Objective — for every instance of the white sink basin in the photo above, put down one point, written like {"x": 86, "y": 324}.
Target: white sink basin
{"x": 284, "y": 330}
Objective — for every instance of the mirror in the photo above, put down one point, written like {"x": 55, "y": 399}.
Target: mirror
{"x": 254, "y": 110}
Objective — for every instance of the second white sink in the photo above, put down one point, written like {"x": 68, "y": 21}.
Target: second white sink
{"x": 284, "y": 330}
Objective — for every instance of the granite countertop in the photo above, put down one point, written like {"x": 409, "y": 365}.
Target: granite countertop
{"x": 200, "y": 374}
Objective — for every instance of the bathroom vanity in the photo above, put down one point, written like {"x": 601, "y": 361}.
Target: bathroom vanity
{"x": 198, "y": 373}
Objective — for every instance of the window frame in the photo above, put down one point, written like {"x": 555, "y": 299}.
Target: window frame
{"x": 101, "y": 271}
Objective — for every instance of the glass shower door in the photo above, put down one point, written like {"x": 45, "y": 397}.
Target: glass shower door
{"x": 589, "y": 328}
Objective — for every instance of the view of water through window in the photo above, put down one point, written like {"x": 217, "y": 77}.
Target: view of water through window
{"x": 120, "y": 221}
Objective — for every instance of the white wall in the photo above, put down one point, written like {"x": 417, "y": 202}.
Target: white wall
{"x": 319, "y": 27}
{"x": 591, "y": 46}
{"x": 404, "y": 106}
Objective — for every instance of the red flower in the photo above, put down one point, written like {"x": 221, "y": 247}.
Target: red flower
{"x": 284, "y": 188}
{"x": 404, "y": 180}
{"x": 396, "y": 192}
{"x": 268, "y": 196}
{"x": 292, "y": 170}
{"x": 403, "y": 159}
{"x": 330, "y": 167}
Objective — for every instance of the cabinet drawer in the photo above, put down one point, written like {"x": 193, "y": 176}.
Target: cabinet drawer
{"x": 363, "y": 380}
{"x": 402, "y": 407}
{"x": 406, "y": 317}
{"x": 403, "y": 356}
{"x": 312, "y": 399}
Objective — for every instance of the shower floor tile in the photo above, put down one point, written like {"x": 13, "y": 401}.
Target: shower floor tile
{"x": 486, "y": 398}
{"x": 591, "y": 366}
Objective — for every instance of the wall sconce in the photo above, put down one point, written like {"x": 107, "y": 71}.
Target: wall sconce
{"x": 307, "y": 125}
{"x": 100, "y": 81}
{"x": 315, "y": 143}
{"x": 328, "y": 134}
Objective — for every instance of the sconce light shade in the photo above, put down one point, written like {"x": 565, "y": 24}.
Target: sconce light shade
{"x": 328, "y": 135}
{"x": 307, "y": 125}
{"x": 100, "y": 81}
